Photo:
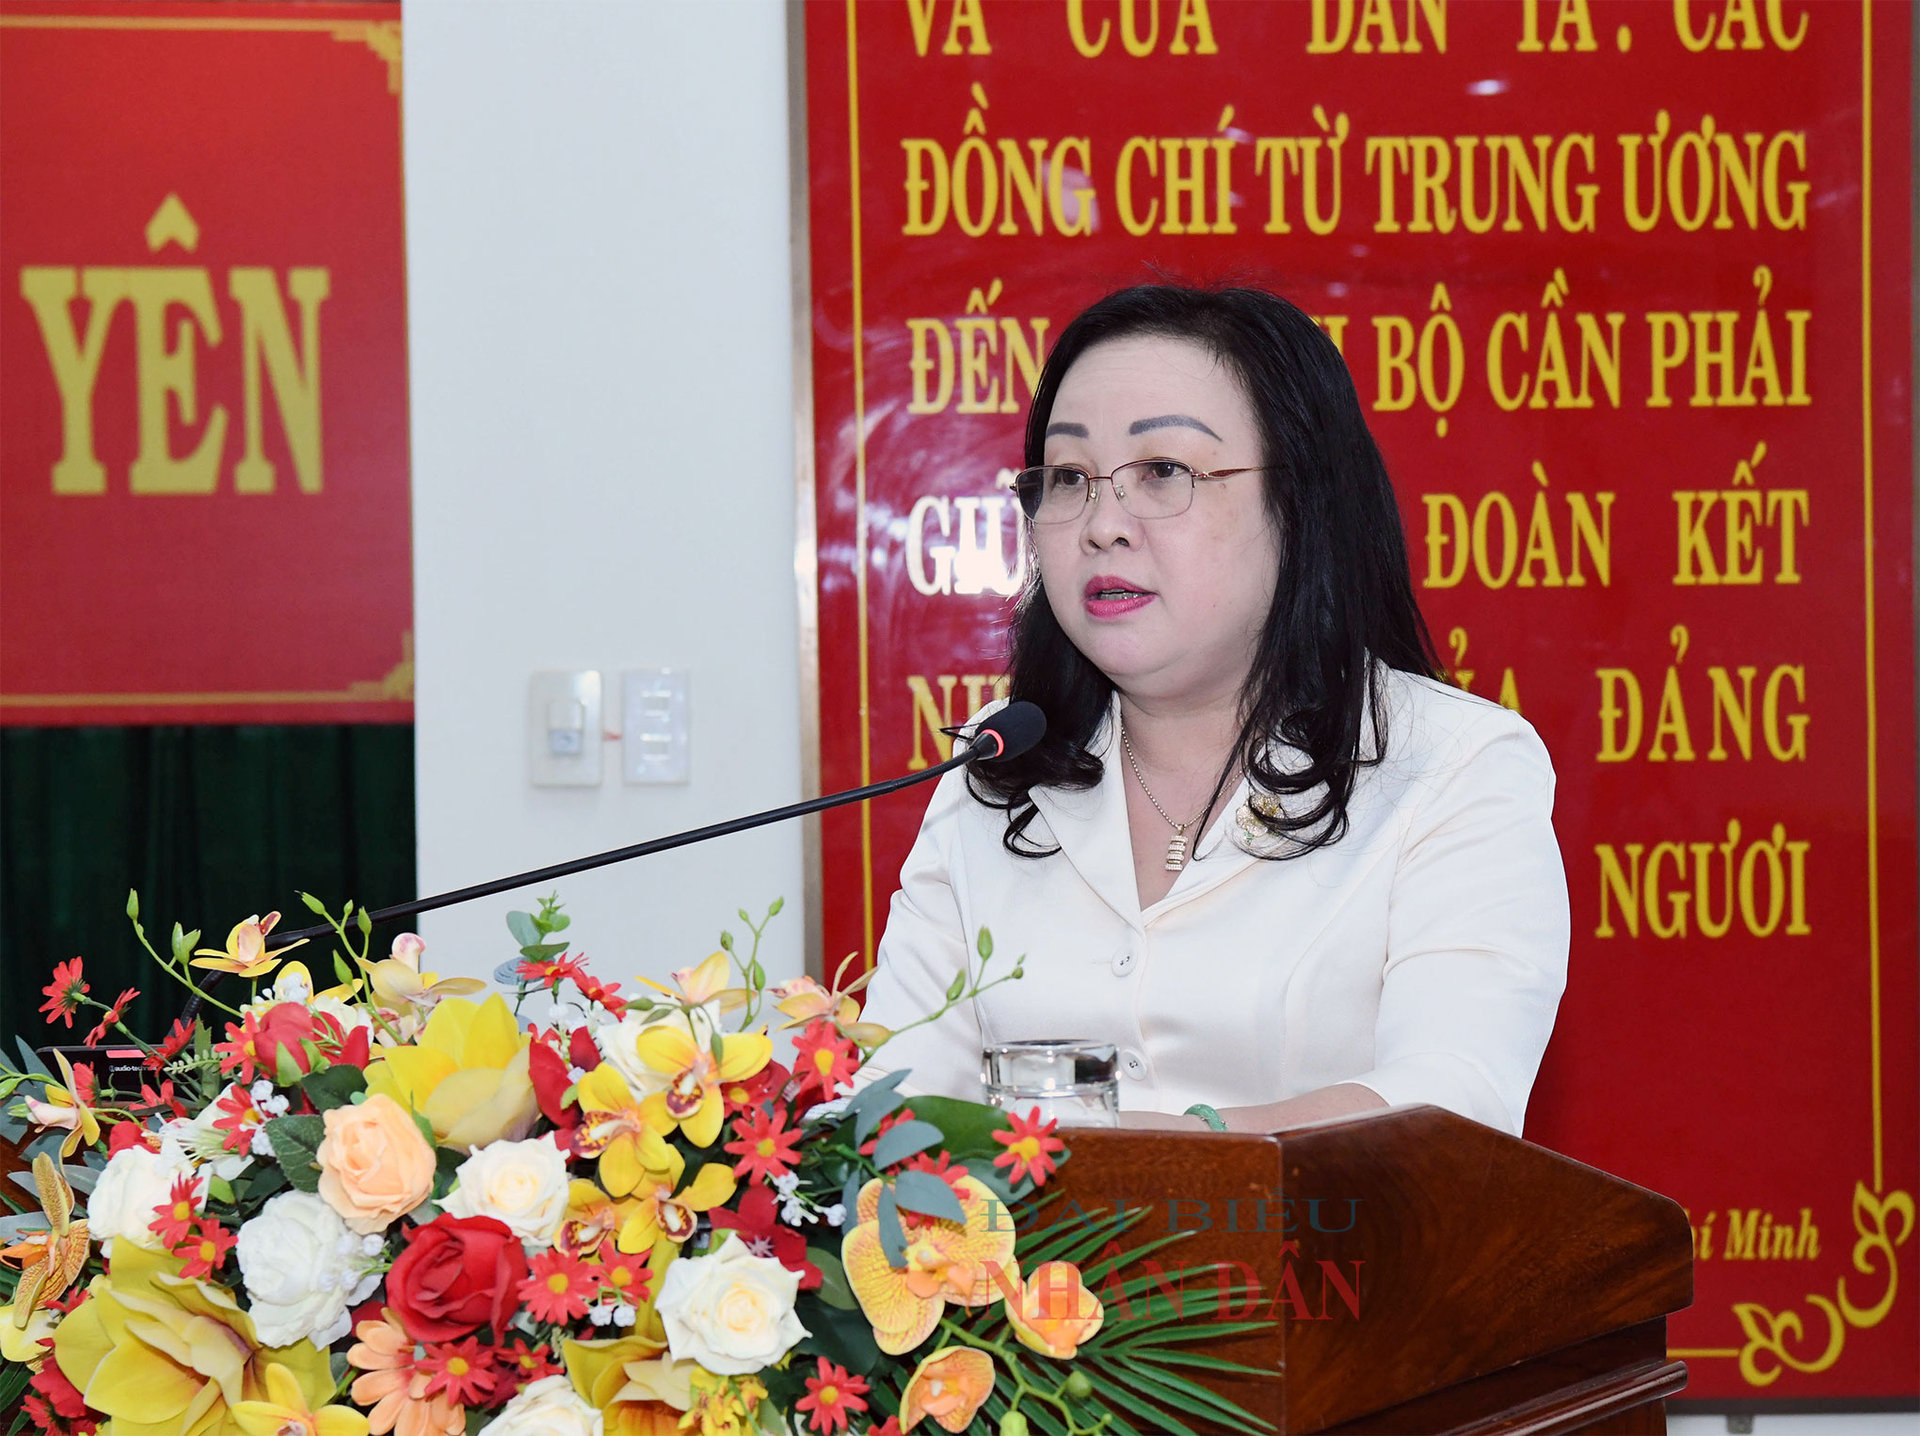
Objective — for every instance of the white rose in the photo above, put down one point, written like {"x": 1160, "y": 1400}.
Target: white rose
{"x": 547, "y": 1407}
{"x": 135, "y": 1182}
{"x": 303, "y": 1269}
{"x": 731, "y": 1311}
{"x": 523, "y": 1184}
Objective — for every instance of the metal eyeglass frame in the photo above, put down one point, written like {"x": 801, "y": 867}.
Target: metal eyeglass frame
{"x": 1119, "y": 490}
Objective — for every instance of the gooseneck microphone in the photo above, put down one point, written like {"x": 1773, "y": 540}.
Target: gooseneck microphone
{"x": 1005, "y": 734}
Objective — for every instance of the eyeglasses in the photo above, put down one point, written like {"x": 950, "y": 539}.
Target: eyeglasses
{"x": 1146, "y": 488}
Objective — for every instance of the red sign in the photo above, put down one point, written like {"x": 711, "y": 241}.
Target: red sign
{"x": 1625, "y": 292}
{"x": 203, "y": 428}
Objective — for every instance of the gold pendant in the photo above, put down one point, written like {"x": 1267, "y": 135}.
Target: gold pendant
{"x": 1176, "y": 853}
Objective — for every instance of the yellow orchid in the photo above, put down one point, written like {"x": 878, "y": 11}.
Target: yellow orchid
{"x": 664, "y": 1209}
{"x": 1053, "y": 1312}
{"x": 704, "y": 983}
{"x": 466, "y": 1074}
{"x": 802, "y": 1000}
{"x": 51, "y": 1259}
{"x": 400, "y": 987}
{"x": 22, "y": 1345}
{"x": 66, "y": 1107}
{"x": 161, "y": 1353}
{"x": 293, "y": 983}
{"x": 632, "y": 1383}
{"x": 968, "y": 1264}
{"x": 285, "y": 1412}
{"x": 246, "y": 952}
{"x": 614, "y": 1126}
{"x": 692, "y": 1100}
{"x": 950, "y": 1385}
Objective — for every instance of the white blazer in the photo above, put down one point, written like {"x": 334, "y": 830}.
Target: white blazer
{"x": 1422, "y": 956}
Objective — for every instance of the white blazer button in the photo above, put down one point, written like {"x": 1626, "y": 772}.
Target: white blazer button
{"x": 1123, "y": 964}
{"x": 1134, "y": 1065}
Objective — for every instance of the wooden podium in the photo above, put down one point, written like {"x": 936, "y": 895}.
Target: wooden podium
{"x": 1445, "y": 1277}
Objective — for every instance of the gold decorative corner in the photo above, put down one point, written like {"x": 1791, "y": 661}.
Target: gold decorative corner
{"x": 395, "y": 685}
{"x": 1766, "y": 1353}
{"x": 380, "y": 36}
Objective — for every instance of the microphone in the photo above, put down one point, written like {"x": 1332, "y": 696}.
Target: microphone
{"x": 1006, "y": 734}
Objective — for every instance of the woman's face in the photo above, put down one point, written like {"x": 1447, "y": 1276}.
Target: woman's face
{"x": 1168, "y": 608}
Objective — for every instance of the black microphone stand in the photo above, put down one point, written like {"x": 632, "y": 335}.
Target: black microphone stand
{"x": 641, "y": 850}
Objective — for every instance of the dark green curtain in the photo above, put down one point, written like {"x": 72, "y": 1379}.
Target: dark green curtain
{"x": 209, "y": 824}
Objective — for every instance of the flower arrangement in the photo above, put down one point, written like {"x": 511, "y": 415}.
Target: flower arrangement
{"x": 396, "y": 1205}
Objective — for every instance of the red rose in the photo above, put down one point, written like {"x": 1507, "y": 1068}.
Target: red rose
{"x": 455, "y": 1274}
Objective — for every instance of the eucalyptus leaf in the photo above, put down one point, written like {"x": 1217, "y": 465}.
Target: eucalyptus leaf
{"x": 968, "y": 1125}
{"x": 871, "y": 1103}
{"x": 926, "y": 1194}
{"x": 893, "y": 1236}
{"x": 905, "y": 1140}
{"x": 507, "y": 974}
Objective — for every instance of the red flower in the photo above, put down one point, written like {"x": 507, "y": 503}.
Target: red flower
{"x": 123, "y": 1135}
{"x": 752, "y": 1091}
{"x": 607, "y": 994}
{"x": 522, "y": 1363}
{"x": 174, "y": 1219}
{"x": 254, "y": 1046}
{"x": 582, "y": 1050}
{"x": 62, "y": 1397}
{"x": 824, "y": 1059}
{"x": 560, "y": 1289}
{"x": 65, "y": 993}
{"x": 550, "y": 973}
{"x": 112, "y": 1016}
{"x": 548, "y": 1071}
{"x": 889, "y": 1427}
{"x": 456, "y": 1274}
{"x": 341, "y": 1047}
{"x": 177, "y": 1039}
{"x": 1030, "y": 1147}
{"x": 240, "y": 1118}
{"x": 831, "y": 1396}
{"x": 462, "y": 1371}
{"x": 766, "y": 1146}
{"x": 163, "y": 1099}
{"x": 625, "y": 1278}
{"x": 754, "y": 1221}
{"x": 205, "y": 1249}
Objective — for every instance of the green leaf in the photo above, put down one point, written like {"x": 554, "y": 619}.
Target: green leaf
{"x": 526, "y": 933}
{"x": 541, "y": 951}
{"x": 219, "y": 1189}
{"x": 906, "y": 1139}
{"x": 835, "y": 1290}
{"x": 842, "y": 1336}
{"x": 446, "y": 1162}
{"x": 984, "y": 944}
{"x": 334, "y": 1087}
{"x": 30, "y": 1060}
{"x": 296, "y": 1140}
{"x": 873, "y": 1102}
{"x": 555, "y": 922}
{"x": 893, "y": 1236}
{"x": 967, "y": 1125}
{"x": 925, "y": 1193}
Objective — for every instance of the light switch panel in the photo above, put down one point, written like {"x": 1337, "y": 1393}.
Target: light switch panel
{"x": 654, "y": 726}
{"x": 563, "y": 729}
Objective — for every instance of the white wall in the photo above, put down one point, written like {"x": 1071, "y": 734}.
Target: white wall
{"x": 602, "y": 396}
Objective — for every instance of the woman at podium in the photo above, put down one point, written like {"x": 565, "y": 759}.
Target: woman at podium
{"x": 1264, "y": 849}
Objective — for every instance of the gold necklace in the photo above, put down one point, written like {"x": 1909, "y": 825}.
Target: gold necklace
{"x": 1177, "y": 845}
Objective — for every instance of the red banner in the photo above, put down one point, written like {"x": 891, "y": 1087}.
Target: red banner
{"x": 1625, "y": 291}
{"x": 203, "y": 428}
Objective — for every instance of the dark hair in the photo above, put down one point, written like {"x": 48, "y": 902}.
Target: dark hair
{"x": 1344, "y": 594}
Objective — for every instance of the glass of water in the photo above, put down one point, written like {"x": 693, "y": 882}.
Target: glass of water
{"x": 1071, "y": 1080}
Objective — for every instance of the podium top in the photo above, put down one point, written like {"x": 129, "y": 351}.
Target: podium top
{"x": 1393, "y": 1253}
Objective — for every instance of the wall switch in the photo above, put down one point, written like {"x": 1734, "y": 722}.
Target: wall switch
{"x": 563, "y": 729}
{"x": 654, "y": 726}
